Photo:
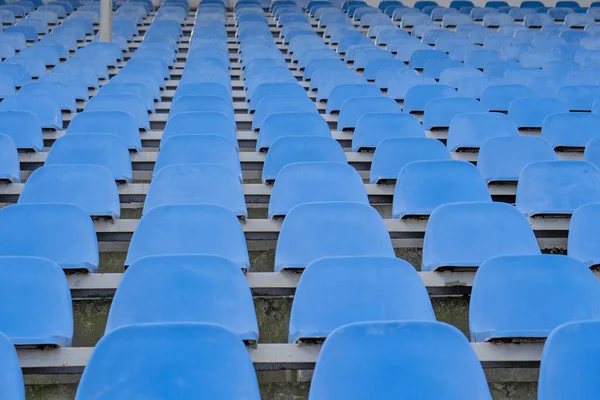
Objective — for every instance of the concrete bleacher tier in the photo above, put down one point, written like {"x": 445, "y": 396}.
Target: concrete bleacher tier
{"x": 319, "y": 199}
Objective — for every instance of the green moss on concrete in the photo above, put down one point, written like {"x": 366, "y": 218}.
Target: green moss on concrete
{"x": 285, "y": 391}
{"x": 411, "y": 255}
{"x": 453, "y": 310}
{"x": 273, "y": 314}
{"x": 112, "y": 261}
{"x": 90, "y": 321}
{"x": 262, "y": 260}
{"x": 51, "y": 392}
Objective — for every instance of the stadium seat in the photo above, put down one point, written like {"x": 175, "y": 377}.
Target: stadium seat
{"x": 50, "y": 231}
{"x": 314, "y": 230}
{"x": 60, "y": 93}
{"x": 413, "y": 359}
{"x": 278, "y": 104}
{"x": 138, "y": 90}
{"x": 77, "y": 86}
{"x": 36, "y": 302}
{"x": 464, "y": 235}
{"x": 398, "y": 83}
{"x": 570, "y": 129}
{"x": 342, "y": 93}
{"x": 294, "y": 149}
{"x": 592, "y": 152}
{"x": 146, "y": 295}
{"x": 356, "y": 107}
{"x": 557, "y": 187}
{"x": 439, "y": 112}
{"x": 198, "y": 149}
{"x": 422, "y": 186}
{"x": 501, "y": 159}
{"x": 372, "y": 128}
{"x": 499, "y": 97}
{"x": 118, "y": 123}
{"x": 24, "y": 128}
{"x": 130, "y": 104}
{"x": 517, "y": 297}
{"x": 472, "y": 130}
{"x": 46, "y": 110}
{"x": 189, "y": 229}
{"x": 453, "y": 76}
{"x": 11, "y": 376}
{"x": 186, "y": 360}
{"x": 90, "y": 187}
{"x": 291, "y": 124}
{"x": 418, "y": 96}
{"x": 569, "y": 356}
{"x": 313, "y": 182}
{"x": 104, "y": 149}
{"x": 391, "y": 155}
{"x": 578, "y": 97}
{"x": 201, "y": 123}
{"x": 337, "y": 291}
{"x": 530, "y": 112}
{"x": 187, "y": 184}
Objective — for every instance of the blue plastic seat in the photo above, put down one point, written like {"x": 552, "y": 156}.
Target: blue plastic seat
{"x": 19, "y": 73}
{"x": 46, "y": 110}
{"x": 30, "y": 32}
{"x": 434, "y": 68}
{"x": 204, "y": 89}
{"x": 36, "y": 302}
{"x": 481, "y": 58}
{"x": 11, "y": 377}
{"x": 278, "y": 104}
{"x": 118, "y": 123}
{"x": 281, "y": 125}
{"x": 201, "y": 103}
{"x": 398, "y": 82}
{"x": 422, "y": 186}
{"x": 46, "y": 52}
{"x": 138, "y": 90}
{"x": 34, "y": 66}
{"x": 90, "y": 187}
{"x": 201, "y": 123}
{"x": 106, "y": 150}
{"x": 472, "y": 130}
{"x": 419, "y": 58}
{"x": 501, "y": 159}
{"x": 76, "y": 84}
{"x": 391, "y": 155}
{"x": 341, "y": 93}
{"x": 145, "y": 294}
{"x": 570, "y": 129}
{"x": 62, "y": 233}
{"x": 24, "y": 128}
{"x": 60, "y": 93}
{"x": 337, "y": 291}
{"x": 499, "y": 97}
{"x": 592, "y": 152}
{"x": 372, "y": 128}
{"x": 312, "y": 182}
{"x": 355, "y": 107}
{"x": 187, "y": 360}
{"x": 418, "y": 96}
{"x": 453, "y": 76}
{"x": 413, "y": 359}
{"x": 189, "y": 229}
{"x": 583, "y": 235}
{"x": 132, "y": 105}
{"x": 294, "y": 149}
{"x": 181, "y": 184}
{"x": 530, "y": 112}
{"x": 196, "y": 149}
{"x": 578, "y": 97}
{"x": 314, "y": 230}
{"x": 557, "y": 187}
{"x": 569, "y": 356}
{"x": 530, "y": 296}
{"x": 439, "y": 112}
{"x": 464, "y": 235}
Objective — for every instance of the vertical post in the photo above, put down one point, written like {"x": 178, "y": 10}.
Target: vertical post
{"x": 106, "y": 20}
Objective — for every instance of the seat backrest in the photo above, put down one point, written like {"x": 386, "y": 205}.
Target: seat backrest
{"x": 314, "y": 230}
{"x": 188, "y": 360}
{"x": 281, "y": 125}
{"x": 418, "y": 96}
{"x": 440, "y": 111}
{"x": 36, "y": 302}
{"x": 177, "y": 184}
{"x": 200, "y": 281}
{"x": 63, "y": 233}
{"x": 189, "y": 229}
{"x": 471, "y": 130}
{"x": 355, "y": 107}
{"x": 119, "y": 123}
{"x": 467, "y": 234}
{"x": 422, "y": 186}
{"x": 570, "y": 129}
{"x": 90, "y": 187}
{"x": 201, "y": 123}
{"x": 529, "y": 296}
{"x": 11, "y": 377}
{"x": 398, "y": 359}
{"x": 336, "y": 291}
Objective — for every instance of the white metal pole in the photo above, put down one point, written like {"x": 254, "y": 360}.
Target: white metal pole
{"x": 106, "y": 20}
